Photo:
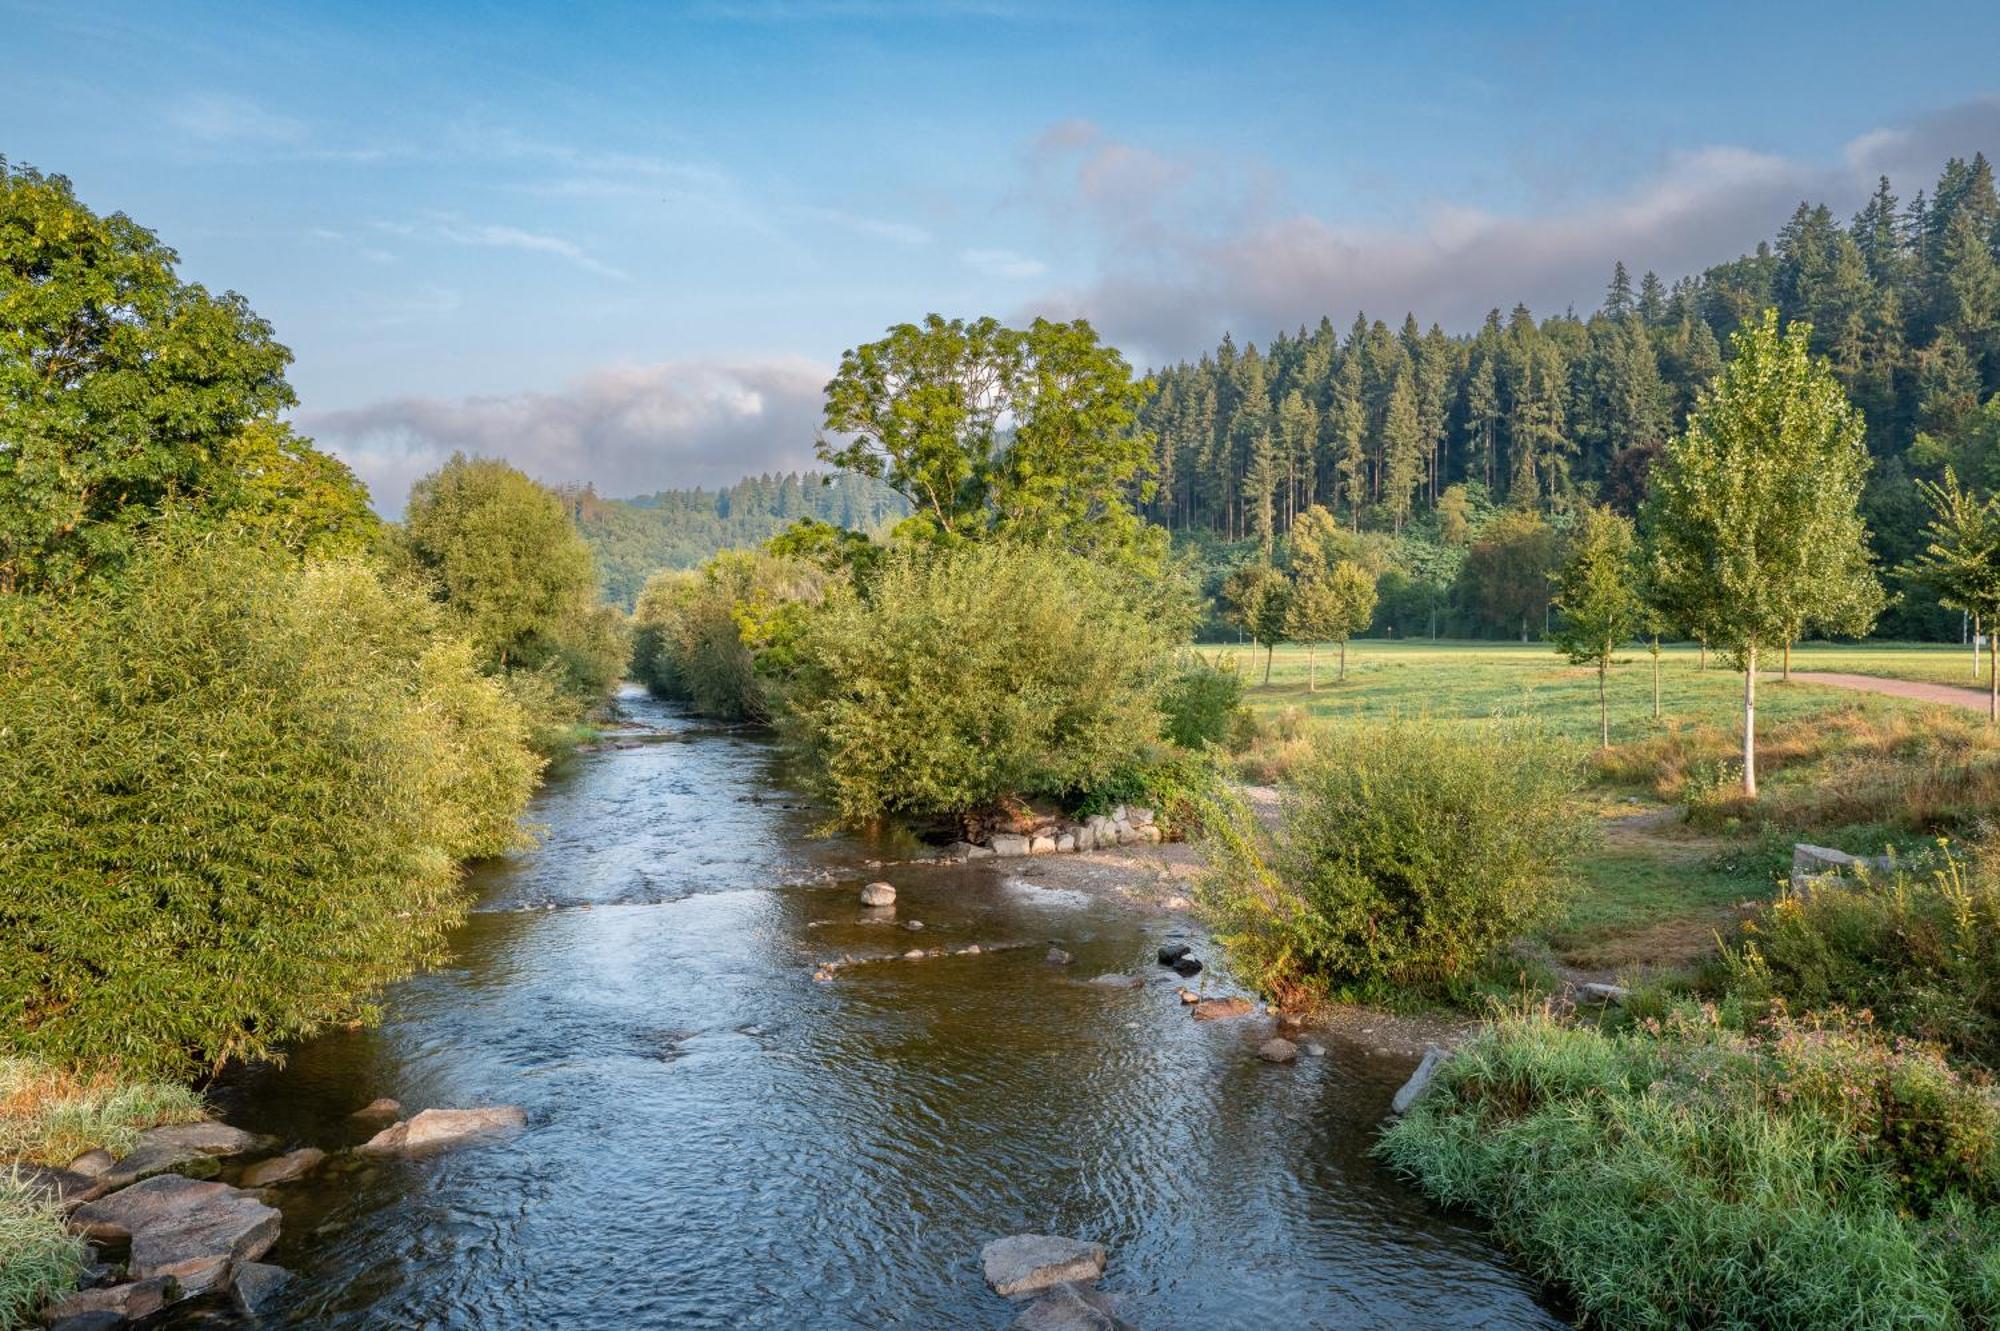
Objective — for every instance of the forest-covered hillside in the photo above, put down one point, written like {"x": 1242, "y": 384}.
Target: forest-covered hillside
{"x": 1378, "y": 422}
{"x": 634, "y": 538}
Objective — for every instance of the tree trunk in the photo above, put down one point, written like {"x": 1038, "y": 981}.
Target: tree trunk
{"x": 1750, "y": 721}
{"x": 1704, "y": 655}
{"x": 1524, "y": 628}
{"x": 1992, "y": 686}
{"x": 1343, "y": 660}
{"x": 1656, "y": 679}
{"x": 1312, "y": 675}
{"x": 1603, "y": 705}
{"x": 1269, "y": 648}
{"x": 1786, "y": 673}
{"x": 1975, "y": 647}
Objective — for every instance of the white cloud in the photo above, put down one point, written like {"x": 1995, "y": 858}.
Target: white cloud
{"x": 630, "y": 429}
{"x": 1003, "y": 263}
{"x": 1186, "y": 249}
{"x": 495, "y": 235}
{"x": 223, "y": 118}
{"x": 898, "y": 233}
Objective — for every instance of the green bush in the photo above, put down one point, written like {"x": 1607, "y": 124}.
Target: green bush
{"x": 232, "y": 798}
{"x": 1405, "y": 854}
{"x": 1202, "y": 703}
{"x": 1803, "y": 1175}
{"x": 721, "y": 638}
{"x": 1919, "y": 952}
{"x": 973, "y": 674}
{"x": 1181, "y": 786}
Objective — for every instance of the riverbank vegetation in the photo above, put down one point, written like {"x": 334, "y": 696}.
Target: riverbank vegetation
{"x": 248, "y": 731}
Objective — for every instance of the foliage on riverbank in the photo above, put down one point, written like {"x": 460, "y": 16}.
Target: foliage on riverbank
{"x": 39, "y": 1258}
{"x": 1803, "y": 1174}
{"x": 232, "y": 798}
{"x": 1404, "y": 855}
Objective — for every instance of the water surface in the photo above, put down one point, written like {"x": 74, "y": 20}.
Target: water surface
{"x": 715, "y": 1140}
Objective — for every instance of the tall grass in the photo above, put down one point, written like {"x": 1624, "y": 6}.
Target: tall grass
{"x": 39, "y": 1258}
{"x": 1804, "y": 1175}
{"x": 51, "y": 1116}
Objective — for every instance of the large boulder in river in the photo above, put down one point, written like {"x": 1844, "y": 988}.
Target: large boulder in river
{"x": 194, "y": 1232}
{"x": 878, "y": 894}
{"x": 1221, "y": 1009}
{"x": 1025, "y": 1263}
{"x": 283, "y": 1168}
{"x": 437, "y": 1128}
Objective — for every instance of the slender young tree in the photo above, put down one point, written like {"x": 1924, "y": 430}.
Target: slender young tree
{"x": 1330, "y": 605}
{"x": 1961, "y": 562}
{"x": 1260, "y": 600}
{"x": 1754, "y": 511}
{"x": 1597, "y": 597}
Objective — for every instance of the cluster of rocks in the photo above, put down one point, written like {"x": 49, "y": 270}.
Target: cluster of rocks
{"x": 1810, "y": 864}
{"x": 1056, "y": 1278}
{"x": 163, "y": 1227}
{"x": 1126, "y": 825}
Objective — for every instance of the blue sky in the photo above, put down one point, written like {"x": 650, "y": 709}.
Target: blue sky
{"x": 626, "y": 243}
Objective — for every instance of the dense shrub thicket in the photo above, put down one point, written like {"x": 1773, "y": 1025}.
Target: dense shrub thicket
{"x": 1799, "y": 1176}
{"x": 1404, "y": 855}
{"x": 974, "y": 673}
{"x": 1921, "y": 952}
{"x": 232, "y": 798}
{"x": 1203, "y": 702}
{"x": 720, "y": 638}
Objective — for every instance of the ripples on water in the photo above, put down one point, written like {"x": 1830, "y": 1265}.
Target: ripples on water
{"x": 716, "y": 1141}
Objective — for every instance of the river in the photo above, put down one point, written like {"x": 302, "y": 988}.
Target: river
{"x": 716, "y": 1140}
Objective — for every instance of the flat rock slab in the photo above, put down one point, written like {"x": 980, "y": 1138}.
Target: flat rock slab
{"x": 121, "y": 1303}
{"x": 379, "y": 1109}
{"x": 203, "y": 1248}
{"x": 152, "y": 1158}
{"x": 1118, "y": 981}
{"x": 1026, "y": 1263}
{"x": 283, "y": 1168}
{"x": 1420, "y": 1080}
{"x": 437, "y": 1128}
{"x": 208, "y": 1137}
{"x": 61, "y": 1186}
{"x": 1221, "y": 1009}
{"x": 1071, "y": 1308}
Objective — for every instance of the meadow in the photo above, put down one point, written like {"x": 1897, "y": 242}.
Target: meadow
{"x": 1678, "y": 860}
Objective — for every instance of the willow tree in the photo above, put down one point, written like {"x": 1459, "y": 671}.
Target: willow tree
{"x": 1597, "y": 596}
{"x": 1961, "y": 562}
{"x": 1754, "y": 513}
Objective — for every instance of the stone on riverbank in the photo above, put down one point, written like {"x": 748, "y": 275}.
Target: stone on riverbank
{"x": 436, "y": 1128}
{"x": 209, "y": 1137}
{"x": 1041, "y": 845}
{"x": 92, "y": 1164}
{"x": 61, "y": 1186}
{"x": 283, "y": 1168}
{"x": 148, "y": 1160}
{"x": 1007, "y": 845}
{"x": 1058, "y": 957}
{"x": 1602, "y": 994}
{"x": 878, "y": 894}
{"x": 1221, "y": 1009}
{"x": 1188, "y": 996}
{"x": 1419, "y": 1081}
{"x": 1025, "y": 1263}
{"x": 379, "y": 1109}
{"x": 1278, "y": 1049}
{"x": 191, "y": 1231}
{"x": 129, "y": 1302}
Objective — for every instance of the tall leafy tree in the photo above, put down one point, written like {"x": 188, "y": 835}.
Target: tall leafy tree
{"x": 1961, "y": 562}
{"x": 1754, "y": 511}
{"x": 123, "y": 389}
{"x": 1330, "y": 605}
{"x": 1597, "y": 600}
{"x": 1259, "y": 599}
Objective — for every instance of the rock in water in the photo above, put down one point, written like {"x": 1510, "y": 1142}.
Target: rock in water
{"x": 1188, "y": 995}
{"x": 1220, "y": 1009}
{"x": 194, "y": 1233}
{"x": 1024, "y": 1263}
{"x": 1278, "y": 1050}
{"x": 443, "y": 1127}
{"x": 1172, "y": 952}
{"x": 1070, "y": 1308}
{"x": 1117, "y": 981}
{"x": 878, "y": 894}
{"x": 1058, "y": 957}
{"x": 122, "y": 1303}
{"x": 208, "y": 1137}
{"x": 1419, "y": 1081}
{"x": 1187, "y": 966}
{"x": 258, "y": 1285}
{"x": 151, "y": 1158}
{"x": 379, "y": 1109}
{"x": 283, "y": 1168}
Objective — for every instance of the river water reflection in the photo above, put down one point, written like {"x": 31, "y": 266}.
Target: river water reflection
{"x": 715, "y": 1140}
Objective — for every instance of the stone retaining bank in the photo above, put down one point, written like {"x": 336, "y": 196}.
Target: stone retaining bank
{"x": 1126, "y": 825}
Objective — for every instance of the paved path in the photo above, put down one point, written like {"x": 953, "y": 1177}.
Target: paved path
{"x": 1949, "y": 695}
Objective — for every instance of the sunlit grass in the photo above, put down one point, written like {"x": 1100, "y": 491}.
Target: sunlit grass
{"x": 51, "y": 1116}
{"x": 39, "y": 1258}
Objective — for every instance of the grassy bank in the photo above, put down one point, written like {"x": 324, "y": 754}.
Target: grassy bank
{"x": 1799, "y": 1175}
{"x": 51, "y": 1117}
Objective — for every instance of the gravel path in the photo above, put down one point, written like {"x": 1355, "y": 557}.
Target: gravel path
{"x": 1948, "y": 695}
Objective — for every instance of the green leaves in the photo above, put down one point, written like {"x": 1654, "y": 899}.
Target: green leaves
{"x": 1596, "y": 591}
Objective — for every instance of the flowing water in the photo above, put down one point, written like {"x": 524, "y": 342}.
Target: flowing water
{"x": 716, "y": 1140}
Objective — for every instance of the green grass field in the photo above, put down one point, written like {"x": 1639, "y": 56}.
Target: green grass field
{"x": 1491, "y": 679}
{"x": 1656, "y": 891}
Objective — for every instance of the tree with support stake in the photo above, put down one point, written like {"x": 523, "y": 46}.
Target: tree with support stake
{"x": 1961, "y": 562}
{"x": 1754, "y": 515}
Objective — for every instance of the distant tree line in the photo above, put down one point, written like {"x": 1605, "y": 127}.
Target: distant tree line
{"x": 1387, "y": 427}
{"x": 635, "y": 538}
